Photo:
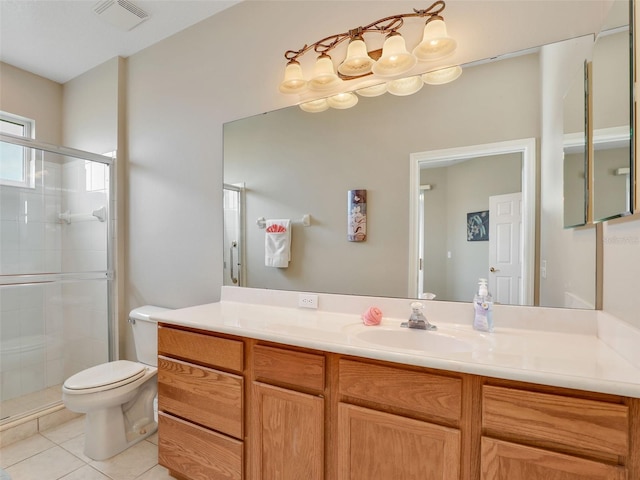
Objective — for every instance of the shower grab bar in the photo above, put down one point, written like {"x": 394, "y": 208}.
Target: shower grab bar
{"x": 305, "y": 221}
{"x": 99, "y": 213}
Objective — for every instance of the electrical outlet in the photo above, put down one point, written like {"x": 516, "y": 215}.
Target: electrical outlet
{"x": 308, "y": 300}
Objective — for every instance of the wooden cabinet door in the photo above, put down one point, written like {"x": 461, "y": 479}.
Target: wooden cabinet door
{"x": 509, "y": 461}
{"x": 381, "y": 446}
{"x": 287, "y": 434}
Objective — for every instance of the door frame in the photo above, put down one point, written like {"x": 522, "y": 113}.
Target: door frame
{"x": 527, "y": 148}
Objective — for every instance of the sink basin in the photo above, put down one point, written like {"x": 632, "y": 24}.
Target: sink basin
{"x": 413, "y": 339}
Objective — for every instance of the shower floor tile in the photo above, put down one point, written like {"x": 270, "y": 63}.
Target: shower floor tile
{"x": 32, "y": 402}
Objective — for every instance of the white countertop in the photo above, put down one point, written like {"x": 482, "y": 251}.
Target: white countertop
{"x": 571, "y": 360}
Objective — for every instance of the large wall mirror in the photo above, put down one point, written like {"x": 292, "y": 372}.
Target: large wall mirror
{"x": 289, "y": 163}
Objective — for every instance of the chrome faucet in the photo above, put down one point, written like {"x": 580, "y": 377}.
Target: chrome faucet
{"x": 417, "y": 319}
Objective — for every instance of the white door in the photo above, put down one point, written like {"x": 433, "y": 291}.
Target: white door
{"x": 505, "y": 254}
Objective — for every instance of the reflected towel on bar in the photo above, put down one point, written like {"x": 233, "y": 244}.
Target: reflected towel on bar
{"x": 277, "y": 243}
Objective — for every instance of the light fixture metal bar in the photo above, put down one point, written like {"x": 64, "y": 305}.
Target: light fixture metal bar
{"x": 385, "y": 25}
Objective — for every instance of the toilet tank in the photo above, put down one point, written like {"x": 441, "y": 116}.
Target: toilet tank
{"x": 145, "y": 333}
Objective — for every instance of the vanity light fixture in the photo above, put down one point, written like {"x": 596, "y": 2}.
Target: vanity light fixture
{"x": 385, "y": 66}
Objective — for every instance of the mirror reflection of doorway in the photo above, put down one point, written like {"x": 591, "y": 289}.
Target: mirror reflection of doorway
{"x": 449, "y": 187}
{"x": 233, "y": 243}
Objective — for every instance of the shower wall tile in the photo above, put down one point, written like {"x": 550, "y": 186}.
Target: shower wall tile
{"x": 11, "y": 384}
{"x": 32, "y": 322}
{"x": 32, "y": 378}
{"x": 54, "y": 372}
{"x": 31, "y": 261}
{"x": 9, "y": 300}
{"x": 33, "y": 357}
{"x": 9, "y": 327}
{"x": 31, "y": 296}
{"x": 32, "y": 206}
{"x": 9, "y": 235}
{"x": 9, "y": 203}
{"x": 31, "y": 236}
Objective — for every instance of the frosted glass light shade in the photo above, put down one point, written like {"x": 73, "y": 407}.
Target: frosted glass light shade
{"x": 405, "y": 86}
{"x": 442, "y": 76}
{"x": 342, "y": 101}
{"x": 374, "y": 90}
{"x": 324, "y": 76}
{"x": 358, "y": 62}
{"x": 293, "y": 81}
{"x": 315, "y": 106}
{"x": 395, "y": 59}
{"x": 435, "y": 42}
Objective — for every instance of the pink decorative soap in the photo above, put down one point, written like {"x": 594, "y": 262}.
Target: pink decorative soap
{"x": 373, "y": 316}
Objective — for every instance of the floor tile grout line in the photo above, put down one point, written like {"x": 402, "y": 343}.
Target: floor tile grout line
{"x": 59, "y": 440}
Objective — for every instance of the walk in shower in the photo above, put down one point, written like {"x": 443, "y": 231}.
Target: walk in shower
{"x": 56, "y": 313}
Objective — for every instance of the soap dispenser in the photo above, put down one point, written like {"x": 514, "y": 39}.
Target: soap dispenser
{"x": 483, "y": 308}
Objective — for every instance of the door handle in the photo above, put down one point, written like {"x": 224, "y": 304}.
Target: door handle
{"x": 493, "y": 270}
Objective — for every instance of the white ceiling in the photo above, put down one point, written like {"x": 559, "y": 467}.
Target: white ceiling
{"x": 61, "y": 39}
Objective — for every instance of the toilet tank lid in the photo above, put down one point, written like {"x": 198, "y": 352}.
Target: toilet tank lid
{"x": 144, "y": 312}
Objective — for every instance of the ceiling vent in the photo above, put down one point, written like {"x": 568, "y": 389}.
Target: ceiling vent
{"x": 121, "y": 14}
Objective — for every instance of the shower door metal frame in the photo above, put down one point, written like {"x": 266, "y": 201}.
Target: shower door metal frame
{"x": 108, "y": 275}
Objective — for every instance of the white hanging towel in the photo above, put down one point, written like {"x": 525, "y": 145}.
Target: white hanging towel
{"x": 277, "y": 243}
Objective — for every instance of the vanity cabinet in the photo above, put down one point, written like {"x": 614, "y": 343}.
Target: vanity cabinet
{"x": 239, "y": 408}
{"x": 288, "y": 417}
{"x": 539, "y": 436}
{"x": 200, "y": 405}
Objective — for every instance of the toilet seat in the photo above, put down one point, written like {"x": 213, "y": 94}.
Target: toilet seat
{"x": 105, "y": 376}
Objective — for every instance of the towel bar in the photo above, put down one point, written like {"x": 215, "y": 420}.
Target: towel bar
{"x": 305, "y": 221}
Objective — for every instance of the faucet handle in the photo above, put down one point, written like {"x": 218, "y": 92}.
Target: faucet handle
{"x": 417, "y": 318}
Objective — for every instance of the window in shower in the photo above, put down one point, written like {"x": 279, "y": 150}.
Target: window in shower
{"x": 17, "y": 166}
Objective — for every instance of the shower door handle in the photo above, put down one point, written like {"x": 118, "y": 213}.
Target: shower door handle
{"x": 234, "y": 279}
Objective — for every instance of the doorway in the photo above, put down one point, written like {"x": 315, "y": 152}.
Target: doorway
{"x": 457, "y": 266}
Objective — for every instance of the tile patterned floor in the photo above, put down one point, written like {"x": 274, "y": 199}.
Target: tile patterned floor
{"x": 56, "y": 454}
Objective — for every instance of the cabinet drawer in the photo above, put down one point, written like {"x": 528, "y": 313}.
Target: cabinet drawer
{"x": 201, "y": 348}
{"x": 196, "y": 452}
{"x": 573, "y": 424}
{"x": 305, "y": 370}
{"x": 509, "y": 461}
{"x": 425, "y": 393}
{"x": 202, "y": 395}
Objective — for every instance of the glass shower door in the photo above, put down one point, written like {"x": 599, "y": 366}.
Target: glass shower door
{"x": 233, "y": 273}
{"x": 55, "y": 272}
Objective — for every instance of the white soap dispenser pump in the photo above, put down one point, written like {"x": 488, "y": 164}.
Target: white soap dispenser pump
{"x": 483, "y": 308}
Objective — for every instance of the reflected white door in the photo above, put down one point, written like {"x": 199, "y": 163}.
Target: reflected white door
{"x": 505, "y": 254}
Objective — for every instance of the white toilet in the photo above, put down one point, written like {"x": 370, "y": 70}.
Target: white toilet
{"x": 118, "y": 397}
